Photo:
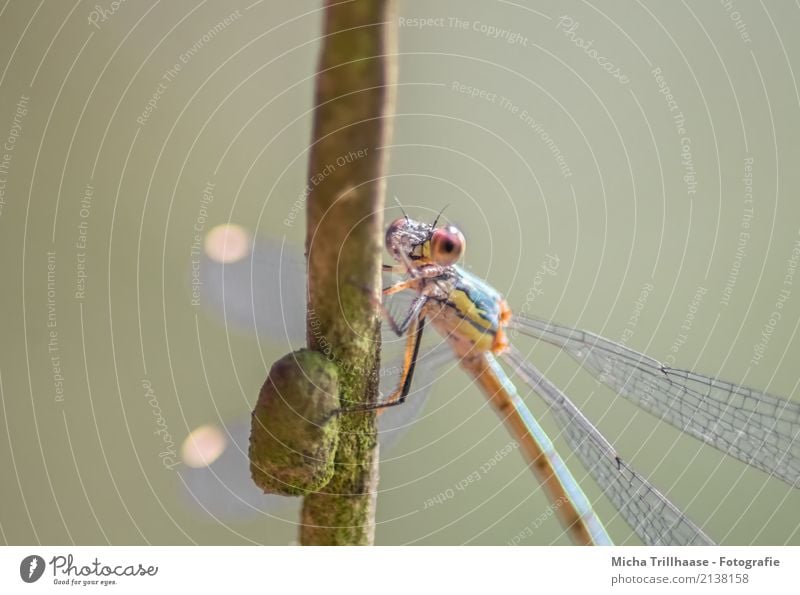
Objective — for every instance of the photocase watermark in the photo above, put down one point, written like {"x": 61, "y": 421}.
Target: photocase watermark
{"x": 547, "y": 268}
{"x": 94, "y": 573}
{"x": 522, "y": 114}
{"x": 324, "y": 346}
{"x": 152, "y": 102}
{"x": 569, "y": 27}
{"x": 196, "y": 249}
{"x": 638, "y": 307}
{"x": 476, "y": 92}
{"x": 84, "y": 211}
{"x": 528, "y": 530}
{"x": 10, "y": 143}
{"x": 316, "y": 180}
{"x": 679, "y": 120}
{"x": 736, "y": 17}
{"x": 101, "y": 14}
{"x": 760, "y": 348}
{"x": 610, "y": 374}
{"x": 744, "y": 233}
{"x": 791, "y": 264}
{"x": 31, "y": 568}
{"x": 387, "y": 371}
{"x": 183, "y": 59}
{"x": 686, "y": 327}
{"x": 472, "y": 478}
{"x": 393, "y": 371}
{"x": 169, "y": 456}
{"x": 566, "y": 24}
{"x": 485, "y": 29}
{"x": 53, "y": 346}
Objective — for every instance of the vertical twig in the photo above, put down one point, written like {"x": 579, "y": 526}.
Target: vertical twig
{"x": 354, "y": 90}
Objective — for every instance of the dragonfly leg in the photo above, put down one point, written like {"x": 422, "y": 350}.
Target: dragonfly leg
{"x": 400, "y": 328}
{"x": 401, "y": 286}
{"x": 416, "y": 306}
{"x": 398, "y": 396}
{"x": 415, "y": 273}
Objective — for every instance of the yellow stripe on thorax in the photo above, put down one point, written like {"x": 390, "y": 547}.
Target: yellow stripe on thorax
{"x": 469, "y": 310}
{"x": 471, "y": 325}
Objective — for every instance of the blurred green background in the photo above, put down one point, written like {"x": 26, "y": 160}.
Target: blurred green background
{"x": 582, "y": 197}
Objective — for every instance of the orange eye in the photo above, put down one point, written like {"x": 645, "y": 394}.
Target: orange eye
{"x": 447, "y": 245}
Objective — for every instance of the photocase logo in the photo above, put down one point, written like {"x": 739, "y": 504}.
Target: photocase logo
{"x": 31, "y": 569}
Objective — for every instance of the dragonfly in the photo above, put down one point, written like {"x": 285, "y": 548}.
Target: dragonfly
{"x": 757, "y": 428}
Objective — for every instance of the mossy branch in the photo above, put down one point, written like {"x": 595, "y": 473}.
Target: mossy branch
{"x": 354, "y": 97}
{"x": 297, "y": 445}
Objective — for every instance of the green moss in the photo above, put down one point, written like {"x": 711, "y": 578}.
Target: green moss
{"x": 295, "y": 425}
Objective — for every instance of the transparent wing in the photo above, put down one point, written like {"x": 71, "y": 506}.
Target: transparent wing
{"x": 395, "y": 421}
{"x": 224, "y": 490}
{"x": 755, "y": 427}
{"x": 263, "y": 294}
{"x": 649, "y": 513}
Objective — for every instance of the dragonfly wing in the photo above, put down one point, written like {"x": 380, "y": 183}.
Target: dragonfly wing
{"x": 264, "y": 294}
{"x": 224, "y": 490}
{"x": 755, "y": 427}
{"x": 395, "y": 421}
{"x": 655, "y": 519}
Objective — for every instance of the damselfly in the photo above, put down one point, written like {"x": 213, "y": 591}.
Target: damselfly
{"x": 760, "y": 429}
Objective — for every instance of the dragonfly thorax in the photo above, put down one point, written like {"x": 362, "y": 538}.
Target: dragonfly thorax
{"x": 467, "y": 311}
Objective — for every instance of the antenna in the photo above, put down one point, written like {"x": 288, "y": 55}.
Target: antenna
{"x": 435, "y": 221}
{"x": 397, "y": 200}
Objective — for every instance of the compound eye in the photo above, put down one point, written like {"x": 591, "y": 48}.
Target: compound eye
{"x": 393, "y": 232}
{"x": 447, "y": 245}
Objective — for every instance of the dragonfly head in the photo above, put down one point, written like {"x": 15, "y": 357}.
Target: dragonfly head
{"x": 415, "y": 244}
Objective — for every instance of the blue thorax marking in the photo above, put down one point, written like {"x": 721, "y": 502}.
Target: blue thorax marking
{"x": 485, "y": 297}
